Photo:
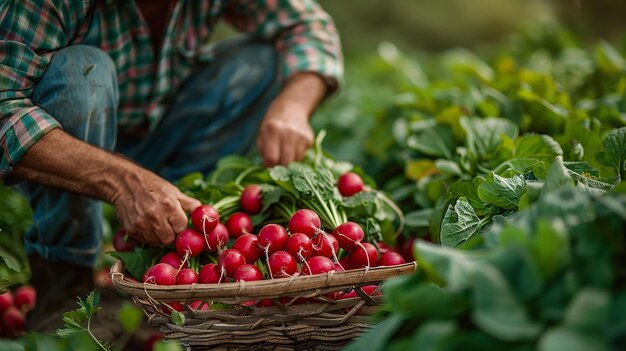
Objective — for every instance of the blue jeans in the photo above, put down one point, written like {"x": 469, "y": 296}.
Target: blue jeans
{"x": 216, "y": 112}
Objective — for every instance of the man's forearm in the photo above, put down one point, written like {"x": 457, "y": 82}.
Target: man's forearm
{"x": 61, "y": 161}
{"x": 303, "y": 89}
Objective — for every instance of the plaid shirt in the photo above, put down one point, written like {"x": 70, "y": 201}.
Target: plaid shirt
{"x": 30, "y": 32}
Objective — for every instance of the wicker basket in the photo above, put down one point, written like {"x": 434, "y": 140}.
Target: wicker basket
{"x": 320, "y": 324}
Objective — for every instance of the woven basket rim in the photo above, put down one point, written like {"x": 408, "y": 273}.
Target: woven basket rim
{"x": 295, "y": 285}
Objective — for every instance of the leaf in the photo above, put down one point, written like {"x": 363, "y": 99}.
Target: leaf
{"x": 459, "y": 223}
{"x": 418, "y": 169}
{"x": 377, "y": 339}
{"x": 560, "y": 338}
{"x": 502, "y": 192}
{"x": 434, "y": 302}
{"x": 589, "y": 311}
{"x": 484, "y": 135}
{"x": 468, "y": 190}
{"x": 363, "y": 198}
{"x": 497, "y": 311}
{"x": 432, "y": 335}
{"x": 138, "y": 261}
{"x": 433, "y": 140}
{"x": 540, "y": 147}
{"x": 614, "y": 151}
{"x": 130, "y": 317}
{"x": 609, "y": 59}
{"x": 169, "y": 345}
{"x": 90, "y": 303}
{"x": 177, "y": 318}
{"x": 418, "y": 218}
{"x": 453, "y": 267}
{"x": 281, "y": 175}
{"x": 557, "y": 177}
{"x": 270, "y": 194}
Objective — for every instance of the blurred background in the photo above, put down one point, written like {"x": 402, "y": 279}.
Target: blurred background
{"x": 441, "y": 24}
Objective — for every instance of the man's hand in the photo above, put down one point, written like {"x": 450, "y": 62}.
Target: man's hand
{"x": 151, "y": 209}
{"x": 285, "y": 133}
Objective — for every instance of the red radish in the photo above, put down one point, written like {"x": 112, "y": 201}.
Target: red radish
{"x": 172, "y": 305}
{"x": 173, "y": 259}
{"x": 406, "y": 248}
{"x": 382, "y": 247}
{"x": 190, "y": 242}
{"x": 363, "y": 256}
{"x": 122, "y": 242}
{"x": 325, "y": 245}
{"x": 239, "y": 223}
{"x": 305, "y": 221}
{"x": 265, "y": 303}
{"x": 390, "y": 258}
{"x": 300, "y": 246}
{"x": 230, "y": 260}
{"x": 348, "y": 235}
{"x": 281, "y": 264}
{"x": 349, "y": 184}
{"x": 250, "y": 199}
{"x": 152, "y": 339}
{"x": 216, "y": 238}
{"x": 248, "y": 273}
{"x": 339, "y": 267}
{"x": 24, "y": 298}
{"x": 367, "y": 289}
{"x": 13, "y": 321}
{"x": 345, "y": 263}
{"x": 160, "y": 274}
{"x": 204, "y": 218}
{"x": 197, "y": 305}
{"x": 248, "y": 245}
{"x": 186, "y": 276}
{"x": 6, "y": 300}
{"x": 101, "y": 278}
{"x": 272, "y": 238}
{"x": 317, "y": 265}
{"x": 210, "y": 274}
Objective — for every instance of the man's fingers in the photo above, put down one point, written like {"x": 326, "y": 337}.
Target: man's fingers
{"x": 188, "y": 203}
{"x": 178, "y": 221}
{"x": 288, "y": 150}
{"x": 271, "y": 152}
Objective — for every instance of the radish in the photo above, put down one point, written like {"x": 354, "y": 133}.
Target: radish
{"x": 24, "y": 298}
{"x": 204, "y": 218}
{"x": 272, "y": 238}
{"x": 230, "y": 260}
{"x": 265, "y": 303}
{"x": 348, "y": 235}
{"x": 210, "y": 274}
{"x": 186, "y": 276}
{"x": 13, "y": 321}
{"x": 365, "y": 255}
{"x": 168, "y": 307}
{"x": 367, "y": 289}
{"x": 349, "y": 184}
{"x": 305, "y": 221}
{"x": 281, "y": 264}
{"x": 406, "y": 248}
{"x": 198, "y": 305}
{"x": 317, "y": 265}
{"x": 300, "y": 246}
{"x": 325, "y": 245}
{"x": 339, "y": 267}
{"x": 173, "y": 259}
{"x": 122, "y": 242}
{"x": 248, "y": 245}
{"x": 6, "y": 300}
{"x": 248, "y": 273}
{"x": 345, "y": 263}
{"x": 160, "y": 274}
{"x": 382, "y": 248}
{"x": 216, "y": 238}
{"x": 239, "y": 223}
{"x": 190, "y": 242}
{"x": 152, "y": 339}
{"x": 250, "y": 199}
{"x": 391, "y": 258}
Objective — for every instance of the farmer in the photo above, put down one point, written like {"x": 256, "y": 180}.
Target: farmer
{"x": 112, "y": 100}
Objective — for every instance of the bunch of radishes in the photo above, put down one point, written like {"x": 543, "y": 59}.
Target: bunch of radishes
{"x": 14, "y": 306}
{"x": 303, "y": 247}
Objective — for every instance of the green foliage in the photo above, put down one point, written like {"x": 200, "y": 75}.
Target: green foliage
{"x": 545, "y": 278}
{"x": 15, "y": 217}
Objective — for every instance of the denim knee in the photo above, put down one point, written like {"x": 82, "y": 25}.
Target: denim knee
{"x": 80, "y": 90}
